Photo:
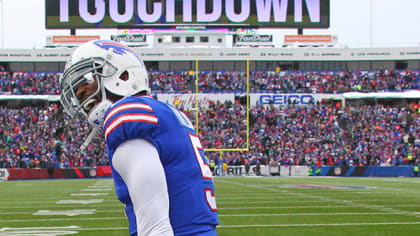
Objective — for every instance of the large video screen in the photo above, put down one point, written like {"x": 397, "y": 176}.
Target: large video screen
{"x": 73, "y": 14}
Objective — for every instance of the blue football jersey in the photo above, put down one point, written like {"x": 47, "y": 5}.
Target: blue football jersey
{"x": 190, "y": 184}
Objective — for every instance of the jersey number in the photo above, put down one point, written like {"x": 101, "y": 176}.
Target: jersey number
{"x": 205, "y": 169}
{"x": 199, "y": 155}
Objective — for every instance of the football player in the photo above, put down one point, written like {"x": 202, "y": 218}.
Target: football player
{"x": 159, "y": 168}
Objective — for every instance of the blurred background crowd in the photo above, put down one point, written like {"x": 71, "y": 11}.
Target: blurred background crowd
{"x": 322, "y": 134}
{"x": 332, "y": 82}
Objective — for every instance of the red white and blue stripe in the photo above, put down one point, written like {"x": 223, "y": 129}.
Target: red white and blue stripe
{"x": 128, "y": 112}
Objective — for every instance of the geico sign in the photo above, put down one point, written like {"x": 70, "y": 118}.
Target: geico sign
{"x": 282, "y": 99}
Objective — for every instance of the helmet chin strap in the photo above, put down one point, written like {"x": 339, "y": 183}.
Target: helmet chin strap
{"x": 96, "y": 117}
{"x": 91, "y": 135}
{"x": 96, "y": 121}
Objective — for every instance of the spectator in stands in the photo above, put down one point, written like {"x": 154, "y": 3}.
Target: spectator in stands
{"x": 333, "y": 82}
{"x": 366, "y": 135}
{"x": 27, "y": 136}
{"x": 292, "y": 135}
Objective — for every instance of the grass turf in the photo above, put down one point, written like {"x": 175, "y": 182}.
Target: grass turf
{"x": 247, "y": 206}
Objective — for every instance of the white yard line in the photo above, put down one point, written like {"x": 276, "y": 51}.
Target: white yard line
{"x": 220, "y": 215}
{"x": 26, "y": 230}
{"x": 395, "y": 190}
{"x": 221, "y": 201}
{"x": 67, "y": 219}
{"x": 277, "y": 225}
{"x": 60, "y": 205}
{"x": 313, "y": 225}
{"x": 31, "y": 212}
{"x": 223, "y": 208}
{"x": 303, "y": 201}
{"x": 328, "y": 199}
{"x": 310, "y": 214}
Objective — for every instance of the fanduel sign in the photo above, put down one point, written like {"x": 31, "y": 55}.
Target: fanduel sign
{"x": 253, "y": 38}
{"x": 129, "y": 38}
{"x": 172, "y": 13}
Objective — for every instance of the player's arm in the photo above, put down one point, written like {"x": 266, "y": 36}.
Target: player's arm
{"x": 137, "y": 161}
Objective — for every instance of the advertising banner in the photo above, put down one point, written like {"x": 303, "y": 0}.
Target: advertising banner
{"x": 69, "y": 40}
{"x": 285, "y": 170}
{"x": 253, "y": 40}
{"x": 131, "y": 39}
{"x": 285, "y": 99}
{"x": 299, "y": 171}
{"x": 240, "y": 171}
{"x": 228, "y": 54}
{"x": 310, "y": 39}
{"x": 190, "y": 101}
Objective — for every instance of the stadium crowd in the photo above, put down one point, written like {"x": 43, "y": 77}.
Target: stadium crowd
{"x": 228, "y": 81}
{"x": 291, "y": 135}
{"x": 40, "y": 137}
{"x": 22, "y": 83}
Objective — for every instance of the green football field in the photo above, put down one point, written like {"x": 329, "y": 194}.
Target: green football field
{"x": 247, "y": 206}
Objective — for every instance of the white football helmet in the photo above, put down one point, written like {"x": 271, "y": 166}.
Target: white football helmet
{"x": 104, "y": 61}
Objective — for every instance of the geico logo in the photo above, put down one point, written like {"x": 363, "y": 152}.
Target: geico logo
{"x": 286, "y": 98}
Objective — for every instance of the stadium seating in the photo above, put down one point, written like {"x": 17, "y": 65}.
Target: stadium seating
{"x": 235, "y": 81}
{"x": 323, "y": 134}
{"x": 290, "y": 135}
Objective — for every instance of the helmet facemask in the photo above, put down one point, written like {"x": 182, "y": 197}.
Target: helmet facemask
{"x": 86, "y": 71}
{"x": 99, "y": 67}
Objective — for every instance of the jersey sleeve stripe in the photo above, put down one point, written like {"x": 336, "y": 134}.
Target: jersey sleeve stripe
{"x": 129, "y": 118}
{"x": 127, "y": 106}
